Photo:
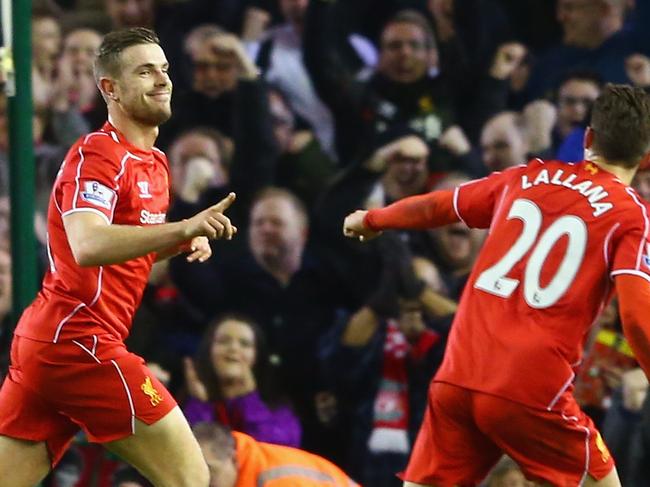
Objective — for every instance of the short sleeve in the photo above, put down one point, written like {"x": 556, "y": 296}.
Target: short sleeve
{"x": 632, "y": 253}
{"x": 475, "y": 201}
{"x": 89, "y": 181}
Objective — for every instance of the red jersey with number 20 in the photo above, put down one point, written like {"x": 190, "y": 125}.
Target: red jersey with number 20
{"x": 105, "y": 175}
{"x": 558, "y": 233}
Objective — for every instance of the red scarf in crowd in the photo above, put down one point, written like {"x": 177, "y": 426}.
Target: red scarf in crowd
{"x": 391, "y": 408}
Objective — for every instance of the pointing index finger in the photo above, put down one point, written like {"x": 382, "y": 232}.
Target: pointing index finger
{"x": 225, "y": 203}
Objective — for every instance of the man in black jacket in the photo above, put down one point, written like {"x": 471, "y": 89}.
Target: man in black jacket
{"x": 408, "y": 89}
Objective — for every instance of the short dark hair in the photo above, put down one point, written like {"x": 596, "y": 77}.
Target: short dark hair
{"x": 271, "y": 192}
{"x": 114, "y": 43}
{"x": 620, "y": 120}
{"x": 412, "y": 16}
{"x": 219, "y": 437}
{"x": 587, "y": 75}
{"x": 46, "y": 9}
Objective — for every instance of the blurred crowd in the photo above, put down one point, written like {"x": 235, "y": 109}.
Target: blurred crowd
{"x": 309, "y": 109}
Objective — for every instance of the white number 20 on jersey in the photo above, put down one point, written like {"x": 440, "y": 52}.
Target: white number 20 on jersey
{"x": 494, "y": 280}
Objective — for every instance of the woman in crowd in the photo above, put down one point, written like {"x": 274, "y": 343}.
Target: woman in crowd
{"x": 231, "y": 381}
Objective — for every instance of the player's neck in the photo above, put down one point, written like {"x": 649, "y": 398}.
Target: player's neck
{"x": 141, "y": 136}
{"x": 625, "y": 174}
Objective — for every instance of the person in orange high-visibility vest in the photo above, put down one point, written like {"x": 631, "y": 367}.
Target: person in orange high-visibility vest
{"x": 237, "y": 460}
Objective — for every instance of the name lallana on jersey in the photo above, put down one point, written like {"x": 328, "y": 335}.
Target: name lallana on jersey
{"x": 586, "y": 188}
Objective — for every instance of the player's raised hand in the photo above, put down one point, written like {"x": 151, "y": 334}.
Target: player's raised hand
{"x": 354, "y": 227}
{"x": 211, "y": 222}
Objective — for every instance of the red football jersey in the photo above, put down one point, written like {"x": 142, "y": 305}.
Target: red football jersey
{"x": 103, "y": 174}
{"x": 558, "y": 233}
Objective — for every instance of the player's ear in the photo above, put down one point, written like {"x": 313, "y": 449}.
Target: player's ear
{"x": 588, "y": 140}
{"x": 107, "y": 87}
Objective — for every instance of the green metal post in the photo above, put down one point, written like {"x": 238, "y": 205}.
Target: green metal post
{"x": 21, "y": 162}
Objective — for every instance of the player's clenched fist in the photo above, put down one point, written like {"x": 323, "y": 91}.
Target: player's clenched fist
{"x": 212, "y": 222}
{"x": 354, "y": 226}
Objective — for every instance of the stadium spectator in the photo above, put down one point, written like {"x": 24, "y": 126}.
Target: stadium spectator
{"x": 511, "y": 138}
{"x": 380, "y": 359}
{"x": 199, "y": 162}
{"x": 594, "y": 38}
{"x": 642, "y": 183}
{"x": 507, "y": 474}
{"x": 131, "y": 13}
{"x": 293, "y": 294}
{"x": 76, "y": 104}
{"x": 576, "y": 94}
{"x": 408, "y": 90}
{"x": 232, "y": 381}
{"x": 79, "y": 50}
{"x": 46, "y": 46}
{"x": 303, "y": 167}
{"x": 396, "y": 169}
{"x": 504, "y": 142}
{"x": 502, "y": 86}
{"x": 222, "y": 71}
{"x": 623, "y": 421}
{"x": 637, "y": 67}
{"x": 237, "y": 460}
{"x": 280, "y": 57}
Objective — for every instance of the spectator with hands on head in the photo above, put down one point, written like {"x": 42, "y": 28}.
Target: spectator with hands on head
{"x": 381, "y": 357}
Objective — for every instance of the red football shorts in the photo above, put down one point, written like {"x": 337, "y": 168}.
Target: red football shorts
{"x": 464, "y": 433}
{"x": 54, "y": 389}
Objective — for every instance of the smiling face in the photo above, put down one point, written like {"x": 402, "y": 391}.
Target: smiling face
{"x": 277, "y": 231}
{"x": 404, "y": 55}
{"x": 233, "y": 349}
{"x": 143, "y": 88}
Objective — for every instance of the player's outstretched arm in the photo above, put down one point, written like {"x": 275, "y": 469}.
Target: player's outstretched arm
{"x": 95, "y": 242}
{"x": 414, "y": 213}
{"x": 633, "y": 298}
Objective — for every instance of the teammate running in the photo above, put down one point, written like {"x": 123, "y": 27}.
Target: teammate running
{"x": 562, "y": 238}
